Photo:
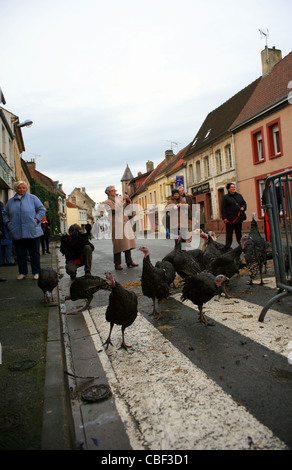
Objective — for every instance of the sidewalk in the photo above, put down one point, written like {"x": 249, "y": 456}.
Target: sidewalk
{"x": 34, "y": 403}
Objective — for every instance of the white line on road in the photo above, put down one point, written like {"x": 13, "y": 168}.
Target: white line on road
{"x": 165, "y": 401}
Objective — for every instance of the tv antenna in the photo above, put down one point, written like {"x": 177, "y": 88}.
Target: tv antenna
{"x": 172, "y": 143}
{"x": 265, "y": 33}
{"x": 35, "y": 155}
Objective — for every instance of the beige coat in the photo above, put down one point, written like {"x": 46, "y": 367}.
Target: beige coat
{"x": 122, "y": 234}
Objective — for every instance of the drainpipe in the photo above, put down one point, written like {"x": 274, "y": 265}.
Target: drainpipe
{"x": 233, "y": 151}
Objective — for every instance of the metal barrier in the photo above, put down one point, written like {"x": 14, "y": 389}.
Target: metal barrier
{"x": 278, "y": 193}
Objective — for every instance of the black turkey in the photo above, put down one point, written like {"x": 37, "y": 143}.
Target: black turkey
{"x": 154, "y": 282}
{"x": 228, "y": 263}
{"x": 47, "y": 281}
{"x": 169, "y": 270}
{"x": 85, "y": 287}
{"x": 122, "y": 309}
{"x": 198, "y": 256}
{"x": 202, "y": 288}
{"x": 184, "y": 263}
{"x": 255, "y": 252}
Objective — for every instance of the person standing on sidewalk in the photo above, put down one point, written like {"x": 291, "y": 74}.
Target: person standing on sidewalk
{"x": 45, "y": 239}
{"x": 22, "y": 216}
{"x": 233, "y": 208}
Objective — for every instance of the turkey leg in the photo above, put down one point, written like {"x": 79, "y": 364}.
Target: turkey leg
{"x": 203, "y": 319}
{"x": 108, "y": 341}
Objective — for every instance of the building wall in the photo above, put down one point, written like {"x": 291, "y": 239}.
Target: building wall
{"x": 250, "y": 172}
{"x": 208, "y": 187}
{"x": 72, "y": 216}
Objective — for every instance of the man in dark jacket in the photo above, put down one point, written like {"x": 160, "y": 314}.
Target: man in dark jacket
{"x": 77, "y": 250}
{"x": 233, "y": 208}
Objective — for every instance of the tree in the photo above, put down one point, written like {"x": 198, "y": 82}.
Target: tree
{"x": 50, "y": 201}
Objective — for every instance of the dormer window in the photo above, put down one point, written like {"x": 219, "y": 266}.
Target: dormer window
{"x": 208, "y": 133}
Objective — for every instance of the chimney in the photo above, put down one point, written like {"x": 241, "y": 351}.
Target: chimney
{"x": 270, "y": 57}
{"x": 168, "y": 155}
{"x": 149, "y": 166}
{"x": 31, "y": 164}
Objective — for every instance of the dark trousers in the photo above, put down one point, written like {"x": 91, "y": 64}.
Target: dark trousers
{"x": 229, "y": 232}
{"x": 86, "y": 254}
{"x": 29, "y": 246}
{"x": 118, "y": 257}
{"x": 45, "y": 242}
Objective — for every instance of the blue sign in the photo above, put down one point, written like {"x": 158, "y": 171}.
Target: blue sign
{"x": 179, "y": 181}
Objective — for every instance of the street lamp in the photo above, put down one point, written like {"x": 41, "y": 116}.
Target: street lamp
{"x": 27, "y": 123}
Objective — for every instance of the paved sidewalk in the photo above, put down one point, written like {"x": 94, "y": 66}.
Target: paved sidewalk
{"x": 33, "y": 387}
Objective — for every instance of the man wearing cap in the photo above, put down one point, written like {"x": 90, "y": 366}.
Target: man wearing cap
{"x": 233, "y": 208}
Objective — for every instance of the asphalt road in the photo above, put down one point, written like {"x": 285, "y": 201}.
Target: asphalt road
{"x": 182, "y": 386}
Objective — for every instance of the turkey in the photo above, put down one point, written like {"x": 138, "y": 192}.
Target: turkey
{"x": 255, "y": 252}
{"x": 169, "y": 270}
{"x": 228, "y": 263}
{"x": 154, "y": 282}
{"x": 200, "y": 289}
{"x": 212, "y": 249}
{"x": 47, "y": 281}
{"x": 185, "y": 264}
{"x": 85, "y": 287}
{"x": 122, "y": 309}
{"x": 198, "y": 256}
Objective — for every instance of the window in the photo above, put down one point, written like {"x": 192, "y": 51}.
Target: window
{"x": 261, "y": 187}
{"x": 258, "y": 149}
{"x": 274, "y": 138}
{"x": 198, "y": 170}
{"x": 219, "y": 161}
{"x": 207, "y": 167}
{"x": 191, "y": 173}
{"x": 208, "y": 133}
{"x": 228, "y": 155}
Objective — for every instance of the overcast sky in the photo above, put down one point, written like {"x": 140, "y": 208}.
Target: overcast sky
{"x": 111, "y": 83}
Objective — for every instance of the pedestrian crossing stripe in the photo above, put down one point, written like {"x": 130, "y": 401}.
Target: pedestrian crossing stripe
{"x": 165, "y": 401}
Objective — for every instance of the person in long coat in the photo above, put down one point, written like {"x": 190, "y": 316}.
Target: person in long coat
{"x": 122, "y": 234}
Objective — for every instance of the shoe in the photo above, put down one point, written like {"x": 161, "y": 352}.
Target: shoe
{"x": 132, "y": 265}
{"x": 35, "y": 276}
{"x": 118, "y": 267}
{"x": 21, "y": 276}
{"x": 2, "y": 279}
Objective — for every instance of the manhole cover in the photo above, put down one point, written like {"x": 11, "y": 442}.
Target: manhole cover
{"x": 96, "y": 393}
{"x": 8, "y": 421}
{"x": 22, "y": 365}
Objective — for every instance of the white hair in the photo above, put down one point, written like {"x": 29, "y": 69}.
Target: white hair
{"x": 18, "y": 183}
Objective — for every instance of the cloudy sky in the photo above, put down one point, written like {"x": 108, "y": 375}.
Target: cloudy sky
{"x": 111, "y": 83}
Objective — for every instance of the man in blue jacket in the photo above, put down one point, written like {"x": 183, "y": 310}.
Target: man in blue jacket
{"x": 22, "y": 216}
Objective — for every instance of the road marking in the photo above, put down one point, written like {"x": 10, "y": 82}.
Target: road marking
{"x": 165, "y": 401}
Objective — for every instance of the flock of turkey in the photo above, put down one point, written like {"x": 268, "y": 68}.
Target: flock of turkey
{"x": 204, "y": 274}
